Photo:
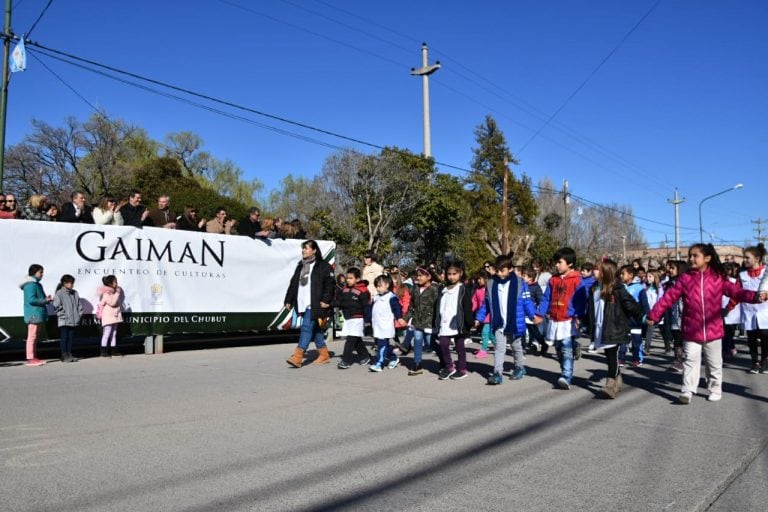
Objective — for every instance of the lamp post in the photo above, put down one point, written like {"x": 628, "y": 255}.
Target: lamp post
{"x": 701, "y": 228}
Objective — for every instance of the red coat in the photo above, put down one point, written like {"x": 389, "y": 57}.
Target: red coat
{"x": 702, "y": 294}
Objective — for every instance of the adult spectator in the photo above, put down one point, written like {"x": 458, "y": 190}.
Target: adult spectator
{"x": 371, "y": 270}
{"x": 134, "y": 213}
{"x": 250, "y": 225}
{"x": 162, "y": 217}
{"x": 220, "y": 224}
{"x": 77, "y": 210}
{"x": 188, "y": 221}
{"x": 36, "y": 208}
{"x": 13, "y": 206}
{"x": 53, "y": 212}
{"x": 5, "y": 213}
{"x": 300, "y": 233}
{"x": 107, "y": 213}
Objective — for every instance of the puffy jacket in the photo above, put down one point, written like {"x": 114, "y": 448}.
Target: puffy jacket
{"x": 702, "y": 294}
{"x": 113, "y": 305}
{"x": 34, "y": 301}
{"x": 354, "y": 302}
{"x": 422, "y": 313}
{"x": 617, "y": 311}
{"x": 68, "y": 308}
{"x": 524, "y": 306}
{"x": 559, "y": 297}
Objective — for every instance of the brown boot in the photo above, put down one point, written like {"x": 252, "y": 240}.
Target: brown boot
{"x": 296, "y": 358}
{"x": 609, "y": 390}
{"x": 619, "y": 384}
{"x": 324, "y": 356}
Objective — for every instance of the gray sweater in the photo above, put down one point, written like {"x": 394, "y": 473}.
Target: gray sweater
{"x": 68, "y": 307}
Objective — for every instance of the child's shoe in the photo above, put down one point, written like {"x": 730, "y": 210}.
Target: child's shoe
{"x": 563, "y": 383}
{"x": 394, "y": 363}
{"x": 375, "y": 367}
{"x": 495, "y": 379}
{"x": 343, "y": 365}
{"x": 364, "y": 361}
{"x": 416, "y": 370}
{"x": 35, "y": 362}
{"x": 518, "y": 373}
{"x": 446, "y": 373}
{"x": 685, "y": 397}
{"x": 459, "y": 375}
{"x": 756, "y": 368}
{"x": 764, "y": 367}
{"x": 481, "y": 354}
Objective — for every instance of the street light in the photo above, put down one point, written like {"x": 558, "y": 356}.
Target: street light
{"x": 701, "y": 228}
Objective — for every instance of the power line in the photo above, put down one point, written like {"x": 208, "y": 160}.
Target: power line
{"x": 589, "y": 77}
{"x": 64, "y": 56}
{"x": 38, "y": 59}
{"x": 29, "y": 32}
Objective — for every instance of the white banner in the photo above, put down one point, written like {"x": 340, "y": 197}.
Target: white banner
{"x": 162, "y": 271}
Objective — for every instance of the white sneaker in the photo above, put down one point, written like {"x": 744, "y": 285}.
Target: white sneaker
{"x": 685, "y": 397}
{"x": 715, "y": 397}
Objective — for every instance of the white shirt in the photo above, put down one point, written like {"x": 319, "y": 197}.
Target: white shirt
{"x": 449, "y": 305}
{"x": 304, "y": 296}
{"x": 503, "y": 298}
{"x": 753, "y": 316}
{"x": 382, "y": 318}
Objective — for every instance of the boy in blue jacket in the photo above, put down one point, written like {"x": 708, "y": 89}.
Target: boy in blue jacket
{"x": 508, "y": 302}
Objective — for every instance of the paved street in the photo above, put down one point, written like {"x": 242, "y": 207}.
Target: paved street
{"x": 236, "y": 429}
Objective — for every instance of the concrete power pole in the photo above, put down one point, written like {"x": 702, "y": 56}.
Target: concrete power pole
{"x": 4, "y": 87}
{"x": 505, "y": 210}
{"x": 677, "y": 201}
{"x": 424, "y": 71}
{"x": 566, "y": 220}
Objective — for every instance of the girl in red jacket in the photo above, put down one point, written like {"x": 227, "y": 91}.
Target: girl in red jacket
{"x": 701, "y": 290}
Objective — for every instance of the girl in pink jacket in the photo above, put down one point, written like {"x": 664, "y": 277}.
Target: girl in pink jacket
{"x": 702, "y": 289}
{"x": 111, "y": 307}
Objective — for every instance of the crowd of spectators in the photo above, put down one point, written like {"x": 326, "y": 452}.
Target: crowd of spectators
{"x": 132, "y": 212}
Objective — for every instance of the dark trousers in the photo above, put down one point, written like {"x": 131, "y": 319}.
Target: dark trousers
{"x": 728, "y": 342}
{"x": 461, "y": 351}
{"x": 753, "y": 337}
{"x": 612, "y": 356}
{"x": 354, "y": 344}
{"x": 67, "y": 337}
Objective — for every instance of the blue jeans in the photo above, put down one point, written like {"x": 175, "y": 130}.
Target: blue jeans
{"x": 66, "y": 337}
{"x": 419, "y": 339}
{"x": 383, "y": 351}
{"x": 310, "y": 331}
{"x": 638, "y": 347}
{"x": 564, "y": 349}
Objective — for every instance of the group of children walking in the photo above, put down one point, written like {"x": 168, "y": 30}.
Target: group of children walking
{"x": 620, "y": 310}
{"x": 68, "y": 308}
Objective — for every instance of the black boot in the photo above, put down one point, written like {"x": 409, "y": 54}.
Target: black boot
{"x": 103, "y": 352}
{"x": 72, "y": 358}
{"x": 114, "y": 352}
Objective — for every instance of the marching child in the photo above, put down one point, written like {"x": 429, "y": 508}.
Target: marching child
{"x": 731, "y": 313}
{"x": 478, "y": 297}
{"x": 610, "y": 307}
{"x": 386, "y": 314}
{"x": 424, "y": 297}
{"x": 111, "y": 299}
{"x": 754, "y": 317}
{"x": 453, "y": 319}
{"x": 35, "y": 314}
{"x": 354, "y": 300}
{"x": 535, "y": 336}
{"x": 558, "y": 303}
{"x": 673, "y": 317}
{"x": 653, "y": 293}
{"x": 628, "y": 277}
{"x": 507, "y": 302}
{"x": 69, "y": 311}
{"x": 702, "y": 289}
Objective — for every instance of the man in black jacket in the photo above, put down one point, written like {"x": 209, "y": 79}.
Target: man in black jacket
{"x": 77, "y": 210}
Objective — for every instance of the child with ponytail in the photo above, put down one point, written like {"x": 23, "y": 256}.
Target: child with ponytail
{"x": 754, "y": 317}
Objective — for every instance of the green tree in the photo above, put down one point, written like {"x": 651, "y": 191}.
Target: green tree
{"x": 486, "y": 185}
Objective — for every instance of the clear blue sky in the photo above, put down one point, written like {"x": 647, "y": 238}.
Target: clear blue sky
{"x": 681, "y": 103}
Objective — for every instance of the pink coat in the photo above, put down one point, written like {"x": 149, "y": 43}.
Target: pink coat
{"x": 702, "y": 294}
{"x": 113, "y": 305}
{"x": 477, "y": 300}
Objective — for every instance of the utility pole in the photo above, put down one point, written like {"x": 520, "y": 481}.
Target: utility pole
{"x": 505, "y": 210}
{"x": 4, "y": 93}
{"x": 624, "y": 247}
{"x": 424, "y": 71}
{"x": 677, "y": 201}
{"x": 566, "y": 220}
{"x": 760, "y": 230}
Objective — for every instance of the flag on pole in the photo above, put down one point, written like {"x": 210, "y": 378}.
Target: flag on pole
{"x": 19, "y": 57}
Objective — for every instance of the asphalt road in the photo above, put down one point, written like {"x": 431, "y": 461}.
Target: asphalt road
{"x": 236, "y": 429}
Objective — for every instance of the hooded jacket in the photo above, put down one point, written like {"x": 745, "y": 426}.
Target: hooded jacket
{"x": 34, "y": 301}
{"x": 558, "y": 299}
{"x": 68, "y": 308}
{"x": 518, "y": 296}
{"x": 355, "y": 301}
{"x": 702, "y": 294}
{"x": 113, "y": 305}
